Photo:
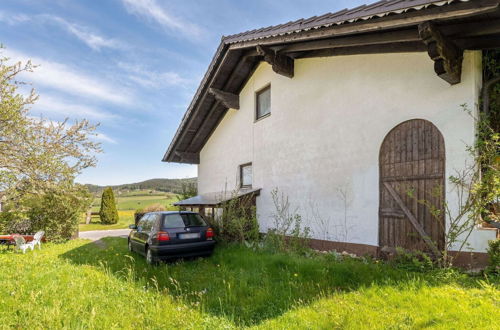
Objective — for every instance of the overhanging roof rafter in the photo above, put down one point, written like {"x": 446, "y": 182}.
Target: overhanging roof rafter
{"x": 383, "y": 27}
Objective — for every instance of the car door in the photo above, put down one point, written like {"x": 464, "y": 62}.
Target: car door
{"x": 146, "y": 231}
{"x": 137, "y": 237}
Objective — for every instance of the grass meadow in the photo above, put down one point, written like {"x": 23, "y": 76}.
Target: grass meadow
{"x": 127, "y": 203}
{"x": 81, "y": 284}
{"x": 138, "y": 199}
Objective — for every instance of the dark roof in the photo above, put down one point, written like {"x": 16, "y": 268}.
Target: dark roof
{"x": 361, "y": 13}
{"x": 235, "y": 58}
{"x": 216, "y": 198}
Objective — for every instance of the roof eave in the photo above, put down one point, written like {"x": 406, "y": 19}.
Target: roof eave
{"x": 348, "y": 28}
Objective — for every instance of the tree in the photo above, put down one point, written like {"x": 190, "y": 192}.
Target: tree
{"x": 108, "y": 212}
{"x": 36, "y": 153}
{"x": 39, "y": 160}
{"x": 188, "y": 190}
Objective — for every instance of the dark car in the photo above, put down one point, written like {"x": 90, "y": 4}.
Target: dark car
{"x": 168, "y": 235}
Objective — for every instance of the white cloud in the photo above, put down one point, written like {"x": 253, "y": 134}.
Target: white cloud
{"x": 153, "y": 79}
{"x": 91, "y": 39}
{"x": 13, "y": 19}
{"x": 150, "y": 10}
{"x": 50, "y": 105}
{"x": 63, "y": 78}
{"x": 83, "y": 33}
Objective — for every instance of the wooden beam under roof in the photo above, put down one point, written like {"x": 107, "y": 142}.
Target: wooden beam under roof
{"x": 378, "y": 38}
{"x": 281, "y": 64}
{"x": 188, "y": 157}
{"x": 230, "y": 100}
{"x": 446, "y": 55}
{"x": 403, "y": 47}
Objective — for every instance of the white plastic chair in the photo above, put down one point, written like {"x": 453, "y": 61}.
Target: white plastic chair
{"x": 37, "y": 239}
{"x": 21, "y": 243}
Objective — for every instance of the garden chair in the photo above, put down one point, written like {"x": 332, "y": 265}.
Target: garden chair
{"x": 21, "y": 243}
{"x": 37, "y": 239}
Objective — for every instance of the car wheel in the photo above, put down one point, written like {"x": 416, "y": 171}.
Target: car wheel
{"x": 130, "y": 246}
{"x": 149, "y": 257}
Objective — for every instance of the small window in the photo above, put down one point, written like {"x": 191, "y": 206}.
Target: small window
{"x": 246, "y": 175}
{"x": 263, "y": 102}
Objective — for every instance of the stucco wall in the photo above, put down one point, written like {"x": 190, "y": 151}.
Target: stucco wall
{"x": 322, "y": 139}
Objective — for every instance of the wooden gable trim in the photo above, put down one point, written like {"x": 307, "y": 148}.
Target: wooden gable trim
{"x": 446, "y": 55}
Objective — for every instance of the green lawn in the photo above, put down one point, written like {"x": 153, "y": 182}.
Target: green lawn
{"x": 82, "y": 284}
{"x": 126, "y": 218}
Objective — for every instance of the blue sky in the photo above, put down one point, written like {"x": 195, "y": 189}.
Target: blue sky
{"x": 131, "y": 65}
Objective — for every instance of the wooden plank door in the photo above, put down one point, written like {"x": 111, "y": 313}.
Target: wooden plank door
{"x": 412, "y": 170}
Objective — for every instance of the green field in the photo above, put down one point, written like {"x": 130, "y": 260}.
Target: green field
{"x": 138, "y": 199}
{"x": 127, "y": 203}
{"x": 82, "y": 284}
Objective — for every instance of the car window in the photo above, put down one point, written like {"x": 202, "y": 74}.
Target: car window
{"x": 193, "y": 220}
{"x": 142, "y": 222}
{"x": 152, "y": 221}
{"x": 183, "y": 220}
{"x": 173, "y": 221}
{"x": 149, "y": 223}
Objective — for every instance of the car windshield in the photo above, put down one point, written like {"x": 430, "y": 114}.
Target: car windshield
{"x": 183, "y": 220}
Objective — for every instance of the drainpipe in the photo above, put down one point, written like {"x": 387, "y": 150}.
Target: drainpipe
{"x": 486, "y": 94}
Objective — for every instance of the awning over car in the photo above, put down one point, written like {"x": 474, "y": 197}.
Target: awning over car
{"x": 216, "y": 198}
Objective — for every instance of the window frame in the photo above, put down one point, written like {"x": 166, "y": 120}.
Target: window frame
{"x": 241, "y": 175}
{"x": 256, "y": 100}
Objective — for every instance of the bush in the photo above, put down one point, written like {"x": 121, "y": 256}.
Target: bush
{"x": 56, "y": 211}
{"x": 494, "y": 257}
{"x": 287, "y": 233}
{"x": 415, "y": 261}
{"x": 14, "y": 222}
{"x": 237, "y": 222}
{"x": 154, "y": 208}
{"x": 108, "y": 212}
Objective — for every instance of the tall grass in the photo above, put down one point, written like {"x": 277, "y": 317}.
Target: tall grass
{"x": 82, "y": 284}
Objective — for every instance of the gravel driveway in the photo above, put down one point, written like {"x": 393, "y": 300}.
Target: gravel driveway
{"x": 98, "y": 234}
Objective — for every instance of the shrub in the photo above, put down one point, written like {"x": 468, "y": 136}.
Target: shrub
{"x": 56, "y": 211}
{"x": 108, "y": 212}
{"x": 287, "y": 233}
{"x": 494, "y": 257}
{"x": 154, "y": 208}
{"x": 12, "y": 221}
{"x": 415, "y": 261}
{"x": 237, "y": 222}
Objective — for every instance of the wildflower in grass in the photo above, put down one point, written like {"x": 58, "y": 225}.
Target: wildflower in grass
{"x": 296, "y": 275}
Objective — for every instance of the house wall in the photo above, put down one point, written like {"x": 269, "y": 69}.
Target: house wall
{"x": 320, "y": 145}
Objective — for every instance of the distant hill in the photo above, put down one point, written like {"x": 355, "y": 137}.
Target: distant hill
{"x": 167, "y": 185}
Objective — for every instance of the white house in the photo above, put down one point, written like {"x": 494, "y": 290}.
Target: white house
{"x": 344, "y": 113}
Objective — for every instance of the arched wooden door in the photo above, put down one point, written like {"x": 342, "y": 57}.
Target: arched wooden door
{"x": 412, "y": 169}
